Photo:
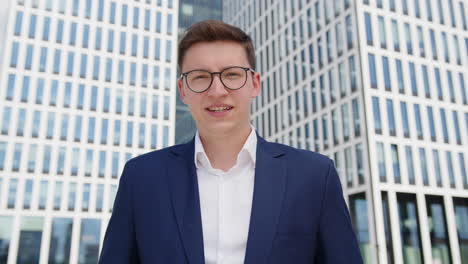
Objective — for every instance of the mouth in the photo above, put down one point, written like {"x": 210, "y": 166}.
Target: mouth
{"x": 219, "y": 109}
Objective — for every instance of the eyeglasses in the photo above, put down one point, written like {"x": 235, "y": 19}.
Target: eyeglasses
{"x": 233, "y": 78}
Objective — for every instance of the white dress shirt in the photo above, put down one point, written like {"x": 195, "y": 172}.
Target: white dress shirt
{"x": 226, "y": 203}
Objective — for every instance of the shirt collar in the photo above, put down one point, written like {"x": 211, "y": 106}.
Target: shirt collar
{"x": 250, "y": 147}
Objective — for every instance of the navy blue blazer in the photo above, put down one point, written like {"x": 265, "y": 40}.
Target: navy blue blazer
{"x": 298, "y": 211}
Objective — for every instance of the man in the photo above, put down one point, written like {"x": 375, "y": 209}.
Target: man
{"x": 228, "y": 196}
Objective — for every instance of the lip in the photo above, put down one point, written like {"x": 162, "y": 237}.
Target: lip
{"x": 220, "y": 113}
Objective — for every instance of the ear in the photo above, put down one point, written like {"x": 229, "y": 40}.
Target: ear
{"x": 256, "y": 85}
{"x": 180, "y": 86}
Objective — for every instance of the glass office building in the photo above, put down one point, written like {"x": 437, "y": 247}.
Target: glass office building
{"x": 381, "y": 88}
{"x": 84, "y": 86}
{"x": 190, "y": 12}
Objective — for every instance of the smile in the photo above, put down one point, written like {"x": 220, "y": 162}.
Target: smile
{"x": 219, "y": 109}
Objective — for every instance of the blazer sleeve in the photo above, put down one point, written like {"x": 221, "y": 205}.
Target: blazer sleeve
{"x": 119, "y": 245}
{"x": 337, "y": 241}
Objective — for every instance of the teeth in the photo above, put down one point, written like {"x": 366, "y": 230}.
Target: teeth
{"x": 219, "y": 109}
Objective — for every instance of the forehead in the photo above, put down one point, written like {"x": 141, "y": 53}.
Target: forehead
{"x": 215, "y": 55}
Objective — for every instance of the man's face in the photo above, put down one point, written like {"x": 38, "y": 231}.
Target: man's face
{"x": 219, "y": 110}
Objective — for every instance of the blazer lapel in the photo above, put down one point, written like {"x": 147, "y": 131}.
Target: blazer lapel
{"x": 186, "y": 202}
{"x": 269, "y": 187}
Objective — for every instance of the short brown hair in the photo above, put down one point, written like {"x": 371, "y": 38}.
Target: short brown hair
{"x": 214, "y": 30}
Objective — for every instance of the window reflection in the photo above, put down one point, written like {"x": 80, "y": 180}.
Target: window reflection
{"x": 359, "y": 214}
{"x": 438, "y": 230}
{"x": 409, "y": 228}
{"x": 89, "y": 241}
{"x": 60, "y": 240}
{"x": 30, "y": 240}
{"x": 461, "y": 217}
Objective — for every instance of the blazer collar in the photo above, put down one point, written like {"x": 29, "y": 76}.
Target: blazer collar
{"x": 269, "y": 187}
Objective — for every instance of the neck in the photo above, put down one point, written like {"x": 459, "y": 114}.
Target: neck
{"x": 222, "y": 149}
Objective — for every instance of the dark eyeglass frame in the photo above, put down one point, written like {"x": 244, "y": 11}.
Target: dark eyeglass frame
{"x": 246, "y": 69}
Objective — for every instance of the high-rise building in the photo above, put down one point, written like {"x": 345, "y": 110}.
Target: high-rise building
{"x": 381, "y": 88}
{"x": 84, "y": 86}
{"x": 190, "y": 12}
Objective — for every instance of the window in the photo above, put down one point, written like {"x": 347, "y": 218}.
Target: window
{"x": 433, "y": 44}
{"x": 89, "y": 239}
{"x": 43, "y": 59}
{"x": 78, "y": 121}
{"x": 133, "y": 74}
{"x": 116, "y": 132}
{"x": 423, "y": 164}
{"x": 356, "y": 118}
{"x": 36, "y": 123}
{"x": 409, "y": 43}
{"x": 25, "y": 89}
{"x": 57, "y": 55}
{"x": 98, "y": 37}
{"x": 32, "y": 26}
{"x": 61, "y": 235}
{"x": 169, "y": 24}
{"x": 369, "y": 35}
{"x": 147, "y": 20}
{"x": 61, "y": 161}
{"x": 410, "y": 236}
{"x": 386, "y": 72}
{"x": 46, "y": 159}
{"x": 445, "y": 47}
{"x": 18, "y": 22}
{"x": 422, "y": 50}
{"x": 57, "y": 198}
{"x": 450, "y": 86}
{"x": 108, "y": 70}
{"x": 73, "y": 29}
{"x": 448, "y": 156}
{"x": 100, "y": 12}
{"x": 141, "y": 135}
{"x": 391, "y": 118}
{"x": 91, "y": 126}
{"x": 112, "y": 13}
{"x": 157, "y": 49}
{"x": 64, "y": 127}
{"x": 86, "y": 194}
{"x": 59, "y": 32}
{"x": 372, "y": 71}
{"x": 387, "y": 228}
{"x": 443, "y": 120}
{"x": 404, "y": 119}
{"x": 136, "y": 16}
{"x": 438, "y": 84}
{"x": 94, "y": 98}
{"x": 429, "y": 10}
{"x": 104, "y": 128}
{"x": 437, "y": 172}
{"x": 456, "y": 127}
{"x": 29, "y": 55}
{"x": 376, "y": 112}
{"x": 154, "y": 137}
{"x": 409, "y": 164}
{"x": 121, "y": 71}
{"x": 381, "y": 162}
{"x": 81, "y": 96}
{"x": 3, "y": 148}
{"x": 32, "y": 158}
{"x": 102, "y": 164}
{"x": 123, "y": 42}
{"x": 43, "y": 194}
{"x": 430, "y": 117}
{"x": 427, "y": 89}
{"x": 461, "y": 216}
{"x": 129, "y": 140}
{"x": 71, "y": 196}
{"x": 349, "y": 32}
{"x": 50, "y": 125}
{"x": 106, "y": 98}
{"x": 382, "y": 33}
{"x": 99, "y": 197}
{"x": 417, "y": 116}
{"x": 124, "y": 15}
{"x": 70, "y": 61}
{"x": 96, "y": 67}
{"x": 395, "y": 163}
{"x": 404, "y": 6}
{"x": 46, "y": 29}
{"x": 110, "y": 40}
{"x": 463, "y": 170}
{"x": 158, "y": 22}
{"x": 165, "y": 136}
{"x": 12, "y": 190}
{"x": 84, "y": 62}
{"x": 396, "y": 36}
{"x": 168, "y": 50}
{"x": 14, "y": 55}
{"x": 11, "y": 87}
{"x": 115, "y": 164}
{"x": 414, "y": 84}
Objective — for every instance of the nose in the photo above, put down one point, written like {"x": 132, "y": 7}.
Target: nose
{"x": 217, "y": 87}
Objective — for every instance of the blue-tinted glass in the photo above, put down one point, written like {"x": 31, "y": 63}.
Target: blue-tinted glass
{"x": 422, "y": 50}
{"x": 106, "y": 103}
{"x": 123, "y": 42}
{"x": 75, "y": 161}
{"x": 108, "y": 70}
{"x": 29, "y": 56}
{"x": 356, "y": 118}
{"x": 381, "y": 162}
{"x": 155, "y": 106}
{"x": 166, "y": 107}
{"x": 417, "y": 115}
{"x": 117, "y": 132}
{"x": 57, "y": 202}
{"x": 57, "y": 55}
{"x": 146, "y": 47}
{"x": 143, "y": 105}
{"x": 17, "y": 157}
{"x": 349, "y": 31}
{"x": 360, "y": 219}
{"x": 456, "y": 127}
{"x": 102, "y": 163}
{"x": 441, "y": 11}
{"x": 438, "y": 230}
{"x": 12, "y": 190}
{"x": 165, "y": 136}
{"x": 70, "y": 61}
{"x": 96, "y": 67}
{"x": 85, "y": 40}
{"x": 46, "y": 30}
{"x": 91, "y": 126}
{"x": 144, "y": 75}
{"x": 118, "y": 101}
{"x": 100, "y": 12}
{"x": 156, "y": 74}
{"x": 46, "y": 159}
{"x": 396, "y": 37}
{"x": 60, "y": 244}
{"x": 115, "y": 164}
{"x": 169, "y": 3}
{"x": 429, "y": 10}
{"x": 132, "y": 73}
{"x": 50, "y": 125}
{"x": 450, "y": 171}
{"x": 6, "y": 120}
{"x": 433, "y": 44}
{"x": 427, "y": 89}
{"x": 141, "y": 135}
{"x": 168, "y": 50}
{"x": 94, "y": 98}
{"x": 404, "y": 6}
{"x": 124, "y": 14}
{"x": 85, "y": 202}
{"x": 81, "y": 96}
{"x": 386, "y": 72}
{"x": 443, "y": 120}
{"x": 18, "y": 22}
{"x": 414, "y": 84}
{"x": 169, "y": 24}
{"x": 391, "y": 117}
{"x": 76, "y": 7}
{"x": 438, "y": 83}
{"x": 404, "y": 119}
{"x": 110, "y": 40}
{"x": 129, "y": 140}
{"x": 409, "y": 164}
{"x": 14, "y": 55}
{"x": 463, "y": 174}
{"x": 36, "y": 124}
{"x": 154, "y": 137}
{"x": 430, "y": 117}
{"x": 409, "y": 43}
{"x": 121, "y": 70}
{"x": 99, "y": 197}
{"x": 64, "y": 127}
{"x": 422, "y": 159}
{"x": 71, "y": 196}
{"x": 136, "y": 17}
{"x": 445, "y": 46}
{"x": 134, "y": 44}
{"x": 11, "y": 87}
{"x": 395, "y": 163}
{"x": 147, "y": 19}
{"x": 84, "y": 62}
{"x": 463, "y": 15}
{"x": 158, "y": 22}
{"x": 450, "y": 86}
{"x": 73, "y": 28}
{"x": 67, "y": 95}
{"x": 21, "y": 122}
{"x": 457, "y": 49}
{"x": 32, "y": 26}
{"x": 53, "y": 92}
{"x": 104, "y": 127}
{"x": 30, "y": 237}
{"x": 452, "y": 13}
{"x": 167, "y": 79}
{"x": 157, "y": 49}
{"x": 39, "y": 90}
{"x": 59, "y": 33}
{"x": 372, "y": 72}
{"x": 78, "y": 121}
{"x": 88, "y": 9}
{"x": 98, "y": 38}
{"x": 376, "y": 112}
{"x": 437, "y": 171}
{"x": 112, "y": 13}
{"x": 382, "y": 33}
{"x": 43, "y": 59}
{"x": 3, "y": 146}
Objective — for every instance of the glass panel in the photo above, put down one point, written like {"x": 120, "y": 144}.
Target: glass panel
{"x": 89, "y": 241}
{"x": 30, "y": 240}
{"x": 5, "y": 237}
{"x": 438, "y": 230}
{"x": 387, "y": 228}
{"x": 409, "y": 228}
{"x": 359, "y": 215}
{"x": 461, "y": 217}
{"x": 60, "y": 240}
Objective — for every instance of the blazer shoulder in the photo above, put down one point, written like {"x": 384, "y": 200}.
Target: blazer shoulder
{"x": 302, "y": 155}
{"x": 153, "y": 158}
